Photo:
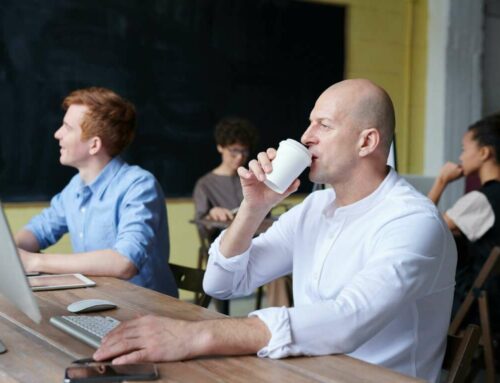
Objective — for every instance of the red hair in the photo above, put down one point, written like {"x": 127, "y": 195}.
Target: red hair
{"x": 109, "y": 116}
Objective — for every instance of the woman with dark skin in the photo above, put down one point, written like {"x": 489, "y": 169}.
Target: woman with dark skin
{"x": 472, "y": 218}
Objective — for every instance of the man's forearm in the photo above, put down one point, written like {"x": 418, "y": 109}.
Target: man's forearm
{"x": 105, "y": 262}
{"x": 238, "y": 236}
{"x": 234, "y": 336}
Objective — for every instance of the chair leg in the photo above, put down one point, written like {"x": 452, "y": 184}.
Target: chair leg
{"x": 489, "y": 359}
{"x": 258, "y": 300}
{"x": 489, "y": 266}
{"x": 222, "y": 306}
{"x": 461, "y": 313}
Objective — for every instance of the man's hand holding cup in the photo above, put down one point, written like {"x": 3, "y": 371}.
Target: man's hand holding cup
{"x": 273, "y": 175}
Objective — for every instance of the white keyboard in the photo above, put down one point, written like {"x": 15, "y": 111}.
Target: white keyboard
{"x": 88, "y": 329}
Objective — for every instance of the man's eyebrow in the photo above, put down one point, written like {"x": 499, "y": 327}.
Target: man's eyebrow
{"x": 321, "y": 119}
{"x": 66, "y": 123}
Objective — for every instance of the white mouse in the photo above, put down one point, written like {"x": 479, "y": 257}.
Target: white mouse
{"x": 89, "y": 305}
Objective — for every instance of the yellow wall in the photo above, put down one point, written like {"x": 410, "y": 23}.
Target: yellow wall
{"x": 386, "y": 41}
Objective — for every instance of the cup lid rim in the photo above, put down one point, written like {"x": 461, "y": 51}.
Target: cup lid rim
{"x": 297, "y": 145}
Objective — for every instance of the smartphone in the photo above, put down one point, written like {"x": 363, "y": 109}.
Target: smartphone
{"x": 106, "y": 372}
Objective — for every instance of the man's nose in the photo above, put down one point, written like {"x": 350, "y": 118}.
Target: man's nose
{"x": 57, "y": 134}
{"x": 307, "y": 136}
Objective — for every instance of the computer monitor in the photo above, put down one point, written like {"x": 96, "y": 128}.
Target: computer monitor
{"x": 13, "y": 282}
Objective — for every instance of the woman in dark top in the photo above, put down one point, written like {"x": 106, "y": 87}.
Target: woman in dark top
{"x": 218, "y": 192}
{"x": 473, "y": 216}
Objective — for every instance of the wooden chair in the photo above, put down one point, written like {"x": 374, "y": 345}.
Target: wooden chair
{"x": 478, "y": 292}
{"x": 205, "y": 242}
{"x": 459, "y": 353}
{"x": 191, "y": 279}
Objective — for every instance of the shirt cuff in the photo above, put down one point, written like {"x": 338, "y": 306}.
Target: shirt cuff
{"x": 233, "y": 264}
{"x": 277, "y": 321}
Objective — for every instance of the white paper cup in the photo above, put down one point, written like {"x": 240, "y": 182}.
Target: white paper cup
{"x": 291, "y": 159}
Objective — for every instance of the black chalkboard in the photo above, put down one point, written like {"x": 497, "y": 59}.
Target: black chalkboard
{"x": 183, "y": 63}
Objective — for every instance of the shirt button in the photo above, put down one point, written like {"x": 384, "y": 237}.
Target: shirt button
{"x": 315, "y": 275}
{"x": 81, "y": 235}
{"x": 82, "y": 210}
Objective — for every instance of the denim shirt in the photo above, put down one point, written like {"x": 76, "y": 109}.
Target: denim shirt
{"x": 123, "y": 209}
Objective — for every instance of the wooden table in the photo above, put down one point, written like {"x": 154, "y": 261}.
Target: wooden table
{"x": 40, "y": 352}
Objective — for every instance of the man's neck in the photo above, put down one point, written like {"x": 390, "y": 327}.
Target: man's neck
{"x": 358, "y": 186}
{"x": 93, "y": 168}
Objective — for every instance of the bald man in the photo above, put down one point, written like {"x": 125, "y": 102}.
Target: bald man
{"x": 372, "y": 260}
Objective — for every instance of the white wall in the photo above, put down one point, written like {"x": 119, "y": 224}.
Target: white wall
{"x": 454, "y": 94}
{"x": 437, "y": 38}
{"x": 491, "y": 58}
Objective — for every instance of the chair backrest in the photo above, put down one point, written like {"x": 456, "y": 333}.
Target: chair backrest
{"x": 191, "y": 279}
{"x": 205, "y": 241}
{"x": 489, "y": 268}
{"x": 459, "y": 352}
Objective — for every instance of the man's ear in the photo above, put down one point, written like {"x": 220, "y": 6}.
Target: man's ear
{"x": 368, "y": 141}
{"x": 95, "y": 145}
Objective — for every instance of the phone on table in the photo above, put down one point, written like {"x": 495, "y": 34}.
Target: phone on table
{"x": 106, "y": 372}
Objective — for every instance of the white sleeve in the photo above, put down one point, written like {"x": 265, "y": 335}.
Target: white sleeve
{"x": 269, "y": 257}
{"x": 222, "y": 274}
{"x": 473, "y": 215}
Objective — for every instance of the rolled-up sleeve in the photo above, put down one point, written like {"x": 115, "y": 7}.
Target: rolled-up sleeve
{"x": 277, "y": 321}
{"x": 223, "y": 274}
{"x": 139, "y": 216}
{"x": 50, "y": 225}
{"x": 268, "y": 257}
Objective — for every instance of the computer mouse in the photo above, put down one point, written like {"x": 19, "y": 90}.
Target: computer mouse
{"x": 88, "y": 305}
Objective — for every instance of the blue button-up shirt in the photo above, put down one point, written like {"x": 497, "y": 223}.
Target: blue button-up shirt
{"x": 123, "y": 209}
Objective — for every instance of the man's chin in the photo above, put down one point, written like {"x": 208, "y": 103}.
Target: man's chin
{"x": 64, "y": 162}
{"x": 315, "y": 178}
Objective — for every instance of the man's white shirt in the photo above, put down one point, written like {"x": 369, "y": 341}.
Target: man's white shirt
{"x": 373, "y": 279}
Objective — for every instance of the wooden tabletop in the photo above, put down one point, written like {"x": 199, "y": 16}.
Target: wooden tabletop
{"x": 40, "y": 352}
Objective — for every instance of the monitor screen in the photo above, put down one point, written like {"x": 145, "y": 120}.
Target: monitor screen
{"x": 13, "y": 282}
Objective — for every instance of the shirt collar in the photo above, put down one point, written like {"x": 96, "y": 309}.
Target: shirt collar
{"x": 102, "y": 181}
{"x": 366, "y": 203}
